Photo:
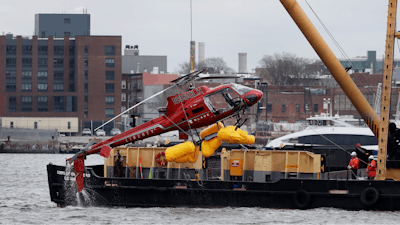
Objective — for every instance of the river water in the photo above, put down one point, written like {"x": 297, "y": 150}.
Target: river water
{"x": 25, "y": 199}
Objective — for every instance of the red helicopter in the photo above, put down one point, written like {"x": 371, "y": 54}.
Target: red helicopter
{"x": 195, "y": 108}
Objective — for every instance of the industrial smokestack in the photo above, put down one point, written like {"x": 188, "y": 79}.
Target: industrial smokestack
{"x": 201, "y": 52}
{"x": 242, "y": 62}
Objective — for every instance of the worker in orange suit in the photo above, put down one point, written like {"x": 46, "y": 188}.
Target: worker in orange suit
{"x": 353, "y": 165}
{"x": 371, "y": 168}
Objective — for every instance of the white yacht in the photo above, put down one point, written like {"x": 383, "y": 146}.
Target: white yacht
{"x": 327, "y": 130}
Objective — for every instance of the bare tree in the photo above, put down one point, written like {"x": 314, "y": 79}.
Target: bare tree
{"x": 286, "y": 69}
{"x": 184, "y": 68}
{"x": 215, "y": 65}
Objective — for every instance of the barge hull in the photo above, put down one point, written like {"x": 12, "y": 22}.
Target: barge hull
{"x": 285, "y": 193}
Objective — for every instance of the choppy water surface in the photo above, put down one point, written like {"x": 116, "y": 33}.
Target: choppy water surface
{"x": 25, "y": 199}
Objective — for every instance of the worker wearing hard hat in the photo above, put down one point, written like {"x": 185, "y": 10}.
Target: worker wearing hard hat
{"x": 371, "y": 168}
{"x": 353, "y": 165}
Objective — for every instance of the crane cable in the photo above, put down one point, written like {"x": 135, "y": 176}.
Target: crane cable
{"x": 341, "y": 49}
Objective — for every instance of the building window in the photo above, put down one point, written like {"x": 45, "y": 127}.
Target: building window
{"x": 67, "y": 21}
{"x": 12, "y": 103}
{"x": 109, "y": 88}
{"x": 86, "y": 62}
{"x": 110, "y": 63}
{"x": 42, "y": 104}
{"x": 297, "y": 108}
{"x": 123, "y": 97}
{"x": 123, "y": 85}
{"x": 11, "y": 73}
{"x": 42, "y": 74}
{"x": 26, "y": 49}
{"x": 11, "y": 87}
{"x": 109, "y": 50}
{"x": 11, "y": 124}
{"x": 27, "y": 74}
{"x": 26, "y": 87}
{"x": 11, "y": 49}
{"x": 123, "y": 108}
{"x": 59, "y": 50}
{"x": 110, "y": 113}
{"x": 35, "y": 125}
{"x": 58, "y": 62}
{"x": 109, "y": 75}
{"x": 69, "y": 125}
{"x": 86, "y": 49}
{"x": 86, "y": 98}
{"x": 26, "y": 103}
{"x": 269, "y": 107}
{"x": 42, "y": 99}
{"x": 283, "y": 107}
{"x": 58, "y": 104}
{"x": 11, "y": 61}
{"x": 58, "y": 87}
{"x": 26, "y": 61}
{"x": 71, "y": 62}
{"x": 315, "y": 107}
{"x": 86, "y": 110}
{"x": 42, "y": 62}
{"x": 109, "y": 100}
{"x": 43, "y": 49}
{"x": 67, "y": 34}
{"x": 42, "y": 87}
{"x": 59, "y": 75}
{"x": 71, "y": 104}
{"x": 306, "y": 107}
{"x": 71, "y": 50}
{"x": 25, "y": 99}
{"x": 86, "y": 88}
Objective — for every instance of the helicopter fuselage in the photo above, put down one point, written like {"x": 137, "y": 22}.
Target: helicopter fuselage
{"x": 192, "y": 109}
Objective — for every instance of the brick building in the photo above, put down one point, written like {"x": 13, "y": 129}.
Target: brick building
{"x": 296, "y": 103}
{"x": 61, "y": 77}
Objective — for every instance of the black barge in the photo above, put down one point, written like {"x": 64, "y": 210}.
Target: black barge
{"x": 236, "y": 178}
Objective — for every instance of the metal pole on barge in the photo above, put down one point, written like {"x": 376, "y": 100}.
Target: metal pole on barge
{"x": 333, "y": 65}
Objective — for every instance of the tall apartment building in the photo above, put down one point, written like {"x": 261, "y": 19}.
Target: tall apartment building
{"x": 61, "y": 77}
{"x": 62, "y": 71}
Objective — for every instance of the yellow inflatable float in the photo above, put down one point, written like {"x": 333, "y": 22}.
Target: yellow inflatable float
{"x": 238, "y": 136}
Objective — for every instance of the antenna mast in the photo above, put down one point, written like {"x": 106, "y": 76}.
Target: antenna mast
{"x": 192, "y": 43}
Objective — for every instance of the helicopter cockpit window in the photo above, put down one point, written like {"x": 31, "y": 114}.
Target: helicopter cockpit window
{"x": 221, "y": 101}
{"x": 240, "y": 89}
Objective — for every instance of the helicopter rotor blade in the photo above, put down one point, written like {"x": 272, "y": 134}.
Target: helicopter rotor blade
{"x": 180, "y": 78}
{"x": 135, "y": 106}
{"x": 216, "y": 77}
{"x": 186, "y": 78}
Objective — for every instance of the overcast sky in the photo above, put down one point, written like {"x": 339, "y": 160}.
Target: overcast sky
{"x": 256, "y": 27}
